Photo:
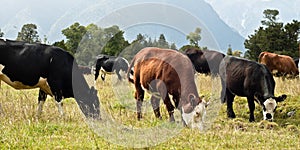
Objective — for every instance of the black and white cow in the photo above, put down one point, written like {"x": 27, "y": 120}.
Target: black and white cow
{"x": 249, "y": 79}
{"x": 51, "y": 69}
{"x": 110, "y": 64}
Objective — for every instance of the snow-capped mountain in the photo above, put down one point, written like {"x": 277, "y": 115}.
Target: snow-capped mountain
{"x": 245, "y": 16}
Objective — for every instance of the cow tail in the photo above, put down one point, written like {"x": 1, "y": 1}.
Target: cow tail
{"x": 130, "y": 71}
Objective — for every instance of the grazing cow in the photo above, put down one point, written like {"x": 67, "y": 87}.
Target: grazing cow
{"x": 205, "y": 61}
{"x": 166, "y": 72}
{"x": 249, "y": 79}
{"x": 49, "y": 68}
{"x": 281, "y": 64}
{"x": 110, "y": 64}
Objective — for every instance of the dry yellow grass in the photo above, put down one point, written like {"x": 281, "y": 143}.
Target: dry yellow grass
{"x": 20, "y": 129}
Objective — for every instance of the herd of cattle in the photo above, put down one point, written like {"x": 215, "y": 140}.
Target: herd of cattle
{"x": 166, "y": 72}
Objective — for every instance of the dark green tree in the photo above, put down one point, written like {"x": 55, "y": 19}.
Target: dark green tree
{"x": 162, "y": 42}
{"x": 74, "y": 35}
{"x": 60, "y": 44}
{"x": 28, "y": 34}
{"x": 273, "y": 36}
{"x": 173, "y": 46}
{"x": 115, "y": 45}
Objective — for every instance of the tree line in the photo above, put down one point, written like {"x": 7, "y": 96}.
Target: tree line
{"x": 86, "y": 42}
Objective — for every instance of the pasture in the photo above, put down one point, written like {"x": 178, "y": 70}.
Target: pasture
{"x": 20, "y": 129}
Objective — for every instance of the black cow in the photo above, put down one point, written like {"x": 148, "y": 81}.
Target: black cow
{"x": 53, "y": 70}
{"x": 205, "y": 61}
{"x": 249, "y": 79}
{"x": 110, "y": 64}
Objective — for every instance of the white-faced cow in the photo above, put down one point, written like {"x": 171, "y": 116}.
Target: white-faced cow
{"x": 205, "y": 61}
{"x": 165, "y": 72}
{"x": 110, "y": 64}
{"x": 281, "y": 64}
{"x": 49, "y": 68}
{"x": 249, "y": 79}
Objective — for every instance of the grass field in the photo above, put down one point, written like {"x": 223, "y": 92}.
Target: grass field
{"x": 119, "y": 129}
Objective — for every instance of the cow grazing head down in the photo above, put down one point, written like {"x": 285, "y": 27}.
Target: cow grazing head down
{"x": 51, "y": 69}
{"x": 269, "y": 105}
{"x": 110, "y": 64}
{"x": 249, "y": 79}
{"x": 167, "y": 72}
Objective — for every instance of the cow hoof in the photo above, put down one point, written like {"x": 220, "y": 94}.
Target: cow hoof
{"x": 251, "y": 120}
{"x": 172, "y": 119}
{"x": 231, "y": 115}
{"x": 139, "y": 116}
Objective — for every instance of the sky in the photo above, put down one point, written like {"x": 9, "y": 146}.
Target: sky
{"x": 55, "y": 15}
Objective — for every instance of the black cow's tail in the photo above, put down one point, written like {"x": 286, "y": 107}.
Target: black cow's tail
{"x": 130, "y": 71}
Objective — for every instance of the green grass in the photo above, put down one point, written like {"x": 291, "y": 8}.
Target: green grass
{"x": 119, "y": 128}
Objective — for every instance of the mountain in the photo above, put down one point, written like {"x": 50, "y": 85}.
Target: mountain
{"x": 245, "y": 17}
{"x": 174, "y": 18}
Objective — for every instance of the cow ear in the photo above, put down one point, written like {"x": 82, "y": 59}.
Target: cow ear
{"x": 280, "y": 98}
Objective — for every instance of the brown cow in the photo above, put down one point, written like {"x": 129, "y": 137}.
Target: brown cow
{"x": 281, "y": 64}
{"x": 165, "y": 71}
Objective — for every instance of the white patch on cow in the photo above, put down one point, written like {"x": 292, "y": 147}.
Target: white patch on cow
{"x": 42, "y": 83}
{"x": 195, "y": 119}
{"x": 60, "y": 109}
{"x": 40, "y": 108}
{"x": 270, "y": 105}
{"x": 51, "y": 59}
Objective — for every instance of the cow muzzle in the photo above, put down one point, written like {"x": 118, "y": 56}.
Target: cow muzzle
{"x": 195, "y": 119}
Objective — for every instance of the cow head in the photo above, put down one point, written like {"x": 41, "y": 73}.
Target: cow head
{"x": 269, "y": 105}
{"x": 193, "y": 54}
{"x": 193, "y": 114}
{"x": 100, "y": 60}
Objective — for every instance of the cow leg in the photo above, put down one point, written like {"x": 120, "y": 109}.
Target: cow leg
{"x": 155, "y": 105}
{"x": 229, "y": 101}
{"x": 118, "y": 74}
{"x": 58, "y": 98}
{"x": 139, "y": 96}
{"x": 41, "y": 100}
{"x": 170, "y": 108}
{"x": 223, "y": 92}
{"x": 251, "y": 105}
